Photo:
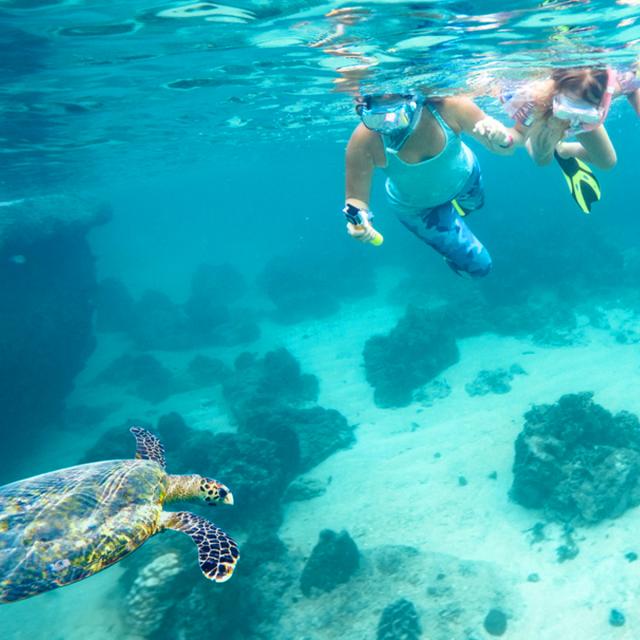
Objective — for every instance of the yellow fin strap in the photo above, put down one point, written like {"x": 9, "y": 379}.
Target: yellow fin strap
{"x": 459, "y": 210}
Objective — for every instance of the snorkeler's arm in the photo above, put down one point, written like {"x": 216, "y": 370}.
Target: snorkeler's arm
{"x": 363, "y": 149}
{"x": 469, "y": 118}
{"x": 543, "y": 137}
{"x": 594, "y": 147}
{"x": 360, "y": 165}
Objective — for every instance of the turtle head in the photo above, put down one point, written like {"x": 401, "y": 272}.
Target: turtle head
{"x": 213, "y": 492}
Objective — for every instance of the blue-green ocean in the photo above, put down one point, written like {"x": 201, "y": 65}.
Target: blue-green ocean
{"x": 411, "y": 453}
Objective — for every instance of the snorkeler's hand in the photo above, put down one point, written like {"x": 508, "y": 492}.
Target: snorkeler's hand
{"x": 556, "y": 128}
{"x": 493, "y": 132}
{"x": 364, "y": 233}
{"x": 543, "y": 137}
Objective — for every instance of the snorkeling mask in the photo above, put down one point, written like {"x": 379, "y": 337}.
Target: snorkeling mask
{"x": 582, "y": 115}
{"x": 577, "y": 112}
{"x": 388, "y": 116}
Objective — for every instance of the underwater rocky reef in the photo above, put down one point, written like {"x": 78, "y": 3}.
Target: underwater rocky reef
{"x": 304, "y": 287}
{"x": 279, "y": 434}
{"x": 577, "y": 462}
{"x": 210, "y": 315}
{"x": 423, "y": 343}
{"x": 48, "y": 280}
{"x": 333, "y": 560}
{"x": 143, "y": 375}
{"x": 391, "y": 592}
{"x": 267, "y": 383}
{"x": 399, "y": 621}
{"x": 494, "y": 381}
{"x": 397, "y": 592}
{"x": 412, "y": 354}
{"x": 275, "y": 432}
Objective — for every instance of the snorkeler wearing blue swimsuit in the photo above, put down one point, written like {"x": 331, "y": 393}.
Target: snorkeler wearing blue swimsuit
{"x": 433, "y": 178}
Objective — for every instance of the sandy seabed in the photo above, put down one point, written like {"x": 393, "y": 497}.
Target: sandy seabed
{"x": 400, "y": 485}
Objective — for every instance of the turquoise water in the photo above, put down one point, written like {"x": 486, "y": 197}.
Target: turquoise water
{"x": 173, "y": 255}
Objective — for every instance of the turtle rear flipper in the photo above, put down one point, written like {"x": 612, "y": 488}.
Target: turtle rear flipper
{"x": 148, "y": 447}
{"x": 217, "y": 552}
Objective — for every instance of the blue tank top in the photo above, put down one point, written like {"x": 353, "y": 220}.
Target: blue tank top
{"x": 433, "y": 181}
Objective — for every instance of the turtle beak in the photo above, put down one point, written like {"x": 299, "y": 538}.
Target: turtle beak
{"x": 226, "y": 497}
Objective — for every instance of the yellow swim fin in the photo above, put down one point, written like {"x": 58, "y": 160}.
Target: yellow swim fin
{"x": 582, "y": 183}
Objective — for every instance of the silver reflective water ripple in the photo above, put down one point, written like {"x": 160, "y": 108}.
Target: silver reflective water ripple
{"x": 185, "y": 75}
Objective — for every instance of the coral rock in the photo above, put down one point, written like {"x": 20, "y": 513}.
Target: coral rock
{"x": 48, "y": 279}
{"x": 206, "y": 372}
{"x": 494, "y": 381}
{"x": 334, "y": 559}
{"x": 153, "y": 594}
{"x": 160, "y": 323}
{"x": 399, "y": 621}
{"x": 495, "y": 622}
{"x": 115, "y": 443}
{"x": 577, "y": 461}
{"x": 273, "y": 381}
{"x": 143, "y": 375}
{"x": 173, "y": 431}
{"x": 616, "y": 618}
{"x": 416, "y": 350}
{"x": 317, "y": 432}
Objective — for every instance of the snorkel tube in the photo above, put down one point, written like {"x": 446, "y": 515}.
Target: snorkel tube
{"x": 605, "y": 103}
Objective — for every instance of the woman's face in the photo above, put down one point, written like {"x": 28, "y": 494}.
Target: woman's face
{"x": 387, "y": 113}
{"x": 580, "y": 108}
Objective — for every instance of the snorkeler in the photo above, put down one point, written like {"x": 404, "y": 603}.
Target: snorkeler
{"x": 627, "y": 83}
{"x": 433, "y": 178}
{"x": 570, "y": 103}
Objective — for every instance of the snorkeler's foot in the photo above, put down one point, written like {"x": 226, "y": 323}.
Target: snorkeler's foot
{"x": 583, "y": 184}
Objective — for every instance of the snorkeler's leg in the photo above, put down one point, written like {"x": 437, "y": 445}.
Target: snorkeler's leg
{"x": 597, "y": 148}
{"x": 443, "y": 229}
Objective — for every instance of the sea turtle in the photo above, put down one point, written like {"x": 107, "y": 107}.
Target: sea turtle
{"x": 63, "y": 526}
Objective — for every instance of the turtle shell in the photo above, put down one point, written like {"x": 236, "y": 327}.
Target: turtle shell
{"x": 66, "y": 525}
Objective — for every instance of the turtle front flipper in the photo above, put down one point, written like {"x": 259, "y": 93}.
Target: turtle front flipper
{"x": 148, "y": 447}
{"x": 217, "y": 552}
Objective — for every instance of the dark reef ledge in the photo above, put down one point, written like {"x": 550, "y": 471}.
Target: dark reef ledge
{"x": 29, "y": 220}
{"x": 48, "y": 280}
